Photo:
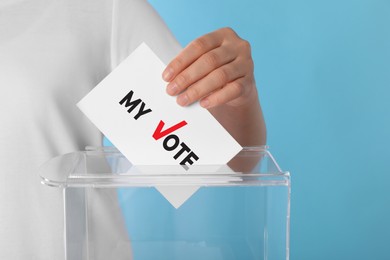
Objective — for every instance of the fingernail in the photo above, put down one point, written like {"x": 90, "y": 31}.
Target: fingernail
{"x": 167, "y": 74}
{"x": 172, "y": 88}
{"x": 182, "y": 100}
{"x": 205, "y": 103}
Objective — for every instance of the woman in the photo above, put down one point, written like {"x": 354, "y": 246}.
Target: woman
{"x": 52, "y": 53}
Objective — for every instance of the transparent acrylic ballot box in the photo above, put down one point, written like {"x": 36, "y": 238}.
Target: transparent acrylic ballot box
{"x": 114, "y": 210}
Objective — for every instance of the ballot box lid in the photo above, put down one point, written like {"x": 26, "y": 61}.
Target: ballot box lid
{"x": 105, "y": 167}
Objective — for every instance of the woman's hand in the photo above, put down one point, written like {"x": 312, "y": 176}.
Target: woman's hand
{"x": 216, "y": 69}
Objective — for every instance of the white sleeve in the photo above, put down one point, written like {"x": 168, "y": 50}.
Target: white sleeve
{"x": 134, "y": 22}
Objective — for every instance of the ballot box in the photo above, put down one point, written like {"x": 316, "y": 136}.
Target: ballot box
{"x": 116, "y": 210}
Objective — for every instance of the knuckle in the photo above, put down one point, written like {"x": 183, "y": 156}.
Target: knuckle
{"x": 245, "y": 50}
{"x": 251, "y": 65}
{"x": 182, "y": 80}
{"x": 245, "y": 46}
{"x": 238, "y": 87}
{"x": 247, "y": 64}
{"x": 177, "y": 64}
{"x": 211, "y": 59}
{"x": 193, "y": 94}
{"x": 218, "y": 100}
{"x": 229, "y": 31}
{"x": 222, "y": 76}
{"x": 200, "y": 44}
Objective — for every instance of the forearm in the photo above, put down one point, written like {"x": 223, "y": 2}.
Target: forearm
{"x": 245, "y": 123}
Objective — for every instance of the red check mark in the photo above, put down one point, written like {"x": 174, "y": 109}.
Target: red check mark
{"x": 158, "y": 133}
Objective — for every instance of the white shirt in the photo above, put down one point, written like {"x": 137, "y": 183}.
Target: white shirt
{"x": 52, "y": 53}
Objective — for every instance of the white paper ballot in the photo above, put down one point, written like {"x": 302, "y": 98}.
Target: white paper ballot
{"x": 131, "y": 108}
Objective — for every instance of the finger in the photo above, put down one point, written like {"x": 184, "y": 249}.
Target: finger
{"x": 207, "y": 63}
{"x": 228, "y": 93}
{"x": 215, "y": 80}
{"x": 191, "y": 53}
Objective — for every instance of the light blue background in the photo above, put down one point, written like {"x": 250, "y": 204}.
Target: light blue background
{"x": 323, "y": 73}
